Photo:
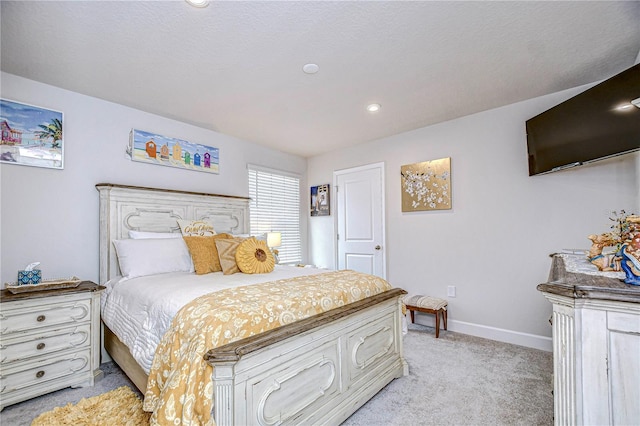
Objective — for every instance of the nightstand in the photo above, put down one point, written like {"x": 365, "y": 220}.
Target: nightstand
{"x": 49, "y": 340}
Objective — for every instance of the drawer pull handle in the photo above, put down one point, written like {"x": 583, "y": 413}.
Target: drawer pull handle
{"x": 41, "y": 318}
{"x": 40, "y": 374}
{"x": 40, "y": 346}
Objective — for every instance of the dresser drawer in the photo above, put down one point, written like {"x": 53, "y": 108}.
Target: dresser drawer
{"x": 24, "y": 346}
{"x": 35, "y": 374}
{"x": 37, "y": 316}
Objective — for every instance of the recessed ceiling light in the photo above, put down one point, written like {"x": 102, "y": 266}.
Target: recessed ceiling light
{"x": 198, "y": 3}
{"x": 310, "y": 68}
{"x": 374, "y": 107}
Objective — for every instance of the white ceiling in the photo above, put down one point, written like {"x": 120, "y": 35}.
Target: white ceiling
{"x": 236, "y": 67}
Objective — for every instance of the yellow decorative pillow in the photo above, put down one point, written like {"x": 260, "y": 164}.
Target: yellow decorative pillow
{"x": 204, "y": 253}
{"x": 227, "y": 254}
{"x": 254, "y": 257}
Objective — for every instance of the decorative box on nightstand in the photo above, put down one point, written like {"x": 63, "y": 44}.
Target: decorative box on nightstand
{"x": 49, "y": 340}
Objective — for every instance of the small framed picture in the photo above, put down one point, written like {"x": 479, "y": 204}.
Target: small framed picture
{"x": 31, "y": 136}
{"x": 320, "y": 200}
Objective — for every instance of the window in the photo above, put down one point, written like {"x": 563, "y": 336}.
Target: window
{"x": 275, "y": 206}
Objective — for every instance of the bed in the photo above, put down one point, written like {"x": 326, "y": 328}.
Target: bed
{"x": 318, "y": 370}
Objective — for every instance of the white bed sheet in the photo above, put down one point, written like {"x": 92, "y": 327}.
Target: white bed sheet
{"x": 139, "y": 310}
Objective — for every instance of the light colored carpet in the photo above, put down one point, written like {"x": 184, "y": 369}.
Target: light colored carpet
{"x": 117, "y": 407}
{"x": 464, "y": 380}
{"x": 453, "y": 380}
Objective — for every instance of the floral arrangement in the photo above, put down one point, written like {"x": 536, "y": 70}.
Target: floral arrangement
{"x": 625, "y": 237}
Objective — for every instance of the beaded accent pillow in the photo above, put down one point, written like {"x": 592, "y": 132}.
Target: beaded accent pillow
{"x": 254, "y": 257}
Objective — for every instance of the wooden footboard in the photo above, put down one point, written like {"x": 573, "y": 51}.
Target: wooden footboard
{"x": 316, "y": 371}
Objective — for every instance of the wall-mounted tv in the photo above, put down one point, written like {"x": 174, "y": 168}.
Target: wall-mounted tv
{"x": 600, "y": 122}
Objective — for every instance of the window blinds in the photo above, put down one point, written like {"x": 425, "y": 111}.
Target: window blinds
{"x": 275, "y": 206}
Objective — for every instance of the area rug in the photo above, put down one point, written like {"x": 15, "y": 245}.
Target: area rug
{"x": 120, "y": 407}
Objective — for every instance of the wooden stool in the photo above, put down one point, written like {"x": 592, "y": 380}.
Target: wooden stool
{"x": 428, "y": 305}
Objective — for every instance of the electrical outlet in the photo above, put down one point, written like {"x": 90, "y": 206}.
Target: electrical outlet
{"x": 451, "y": 291}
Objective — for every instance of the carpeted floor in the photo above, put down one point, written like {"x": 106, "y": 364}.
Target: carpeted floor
{"x": 454, "y": 380}
{"x": 464, "y": 380}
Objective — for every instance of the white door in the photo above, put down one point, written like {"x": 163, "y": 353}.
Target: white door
{"x": 360, "y": 217}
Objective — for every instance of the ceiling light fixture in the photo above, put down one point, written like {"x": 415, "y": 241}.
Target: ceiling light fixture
{"x": 628, "y": 106}
{"x": 624, "y": 107}
{"x": 374, "y": 107}
{"x": 198, "y": 3}
{"x": 310, "y": 68}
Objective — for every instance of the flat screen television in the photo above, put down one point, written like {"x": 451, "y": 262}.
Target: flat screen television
{"x": 600, "y": 122}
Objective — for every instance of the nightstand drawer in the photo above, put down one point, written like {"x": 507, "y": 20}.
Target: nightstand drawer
{"x": 36, "y": 374}
{"x": 49, "y": 340}
{"x": 37, "y": 316}
{"x": 24, "y": 346}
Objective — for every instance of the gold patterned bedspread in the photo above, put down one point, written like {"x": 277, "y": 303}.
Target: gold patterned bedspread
{"x": 180, "y": 389}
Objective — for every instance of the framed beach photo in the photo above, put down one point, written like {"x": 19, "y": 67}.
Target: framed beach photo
{"x": 31, "y": 135}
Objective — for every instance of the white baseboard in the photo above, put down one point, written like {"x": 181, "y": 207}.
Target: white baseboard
{"x": 499, "y": 334}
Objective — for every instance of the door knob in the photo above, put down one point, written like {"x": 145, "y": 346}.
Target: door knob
{"x": 378, "y": 247}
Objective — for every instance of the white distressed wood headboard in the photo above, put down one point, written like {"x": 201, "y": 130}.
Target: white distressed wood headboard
{"x": 124, "y": 208}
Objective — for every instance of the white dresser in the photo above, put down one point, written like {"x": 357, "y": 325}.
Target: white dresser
{"x": 49, "y": 340}
{"x": 596, "y": 347}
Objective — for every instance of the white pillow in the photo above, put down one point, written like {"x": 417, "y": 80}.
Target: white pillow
{"x": 140, "y": 235}
{"x": 151, "y": 256}
{"x": 262, "y": 236}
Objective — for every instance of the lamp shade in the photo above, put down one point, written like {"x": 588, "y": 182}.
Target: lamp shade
{"x": 274, "y": 239}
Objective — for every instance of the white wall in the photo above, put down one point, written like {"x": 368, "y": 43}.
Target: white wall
{"x": 494, "y": 244}
{"x": 51, "y": 216}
